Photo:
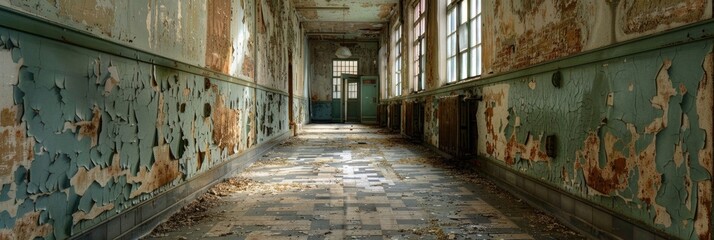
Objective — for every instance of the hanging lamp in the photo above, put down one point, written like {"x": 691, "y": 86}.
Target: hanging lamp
{"x": 342, "y": 51}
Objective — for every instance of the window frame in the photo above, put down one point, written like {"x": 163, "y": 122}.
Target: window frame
{"x": 418, "y": 46}
{"x": 352, "y": 92}
{"x": 337, "y": 72}
{"x": 470, "y": 56}
{"x": 398, "y": 63}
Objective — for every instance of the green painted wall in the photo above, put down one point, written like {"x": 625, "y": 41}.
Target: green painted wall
{"x": 89, "y": 132}
{"x": 633, "y": 133}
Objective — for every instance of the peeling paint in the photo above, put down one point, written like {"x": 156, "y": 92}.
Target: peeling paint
{"x": 79, "y": 216}
{"x": 27, "y": 228}
{"x": 642, "y": 16}
{"x": 226, "y": 133}
{"x": 219, "y": 48}
{"x": 665, "y": 91}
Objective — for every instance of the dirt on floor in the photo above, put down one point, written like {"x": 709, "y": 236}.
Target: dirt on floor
{"x": 465, "y": 171}
{"x": 198, "y": 209}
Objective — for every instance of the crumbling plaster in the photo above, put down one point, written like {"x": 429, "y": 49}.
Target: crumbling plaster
{"x": 88, "y": 139}
{"x": 631, "y": 132}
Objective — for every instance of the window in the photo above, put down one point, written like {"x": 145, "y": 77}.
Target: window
{"x": 352, "y": 91}
{"x": 463, "y": 41}
{"x": 419, "y": 46}
{"x": 398, "y": 61}
{"x": 338, "y": 68}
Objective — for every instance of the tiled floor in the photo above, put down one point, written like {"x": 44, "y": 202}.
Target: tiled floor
{"x": 356, "y": 182}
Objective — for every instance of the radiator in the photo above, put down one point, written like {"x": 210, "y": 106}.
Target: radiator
{"x": 457, "y": 126}
{"x": 382, "y": 115}
{"x": 414, "y": 119}
{"x": 395, "y": 116}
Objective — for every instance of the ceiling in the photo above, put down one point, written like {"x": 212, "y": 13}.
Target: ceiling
{"x": 349, "y": 19}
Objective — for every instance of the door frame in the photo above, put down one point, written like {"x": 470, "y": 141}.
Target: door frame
{"x": 345, "y": 78}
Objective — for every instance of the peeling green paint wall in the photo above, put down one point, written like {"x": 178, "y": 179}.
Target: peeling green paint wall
{"x": 634, "y": 133}
{"x": 86, "y": 135}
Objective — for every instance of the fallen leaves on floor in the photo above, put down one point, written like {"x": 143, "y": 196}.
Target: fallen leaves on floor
{"x": 198, "y": 209}
{"x": 189, "y": 215}
{"x": 277, "y": 161}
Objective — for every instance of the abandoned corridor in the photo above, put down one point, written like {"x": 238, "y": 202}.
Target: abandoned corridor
{"x": 342, "y": 181}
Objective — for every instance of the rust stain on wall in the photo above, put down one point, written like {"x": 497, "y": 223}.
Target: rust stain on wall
{"x": 89, "y": 128}
{"x": 163, "y": 171}
{"x": 7, "y": 117}
{"x": 650, "y": 181}
{"x": 84, "y": 177}
{"x": 15, "y": 145}
{"x": 606, "y": 179}
{"x": 705, "y": 101}
{"x": 226, "y": 130}
{"x": 647, "y": 15}
{"x": 218, "y": 39}
{"x": 27, "y": 228}
{"x": 531, "y": 32}
{"x": 530, "y": 150}
{"x": 494, "y": 109}
{"x": 665, "y": 91}
{"x": 704, "y": 209}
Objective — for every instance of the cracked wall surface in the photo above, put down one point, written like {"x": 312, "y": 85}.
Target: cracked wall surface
{"x": 213, "y": 34}
{"x": 633, "y": 134}
{"x": 519, "y": 34}
{"x": 83, "y": 141}
{"x": 279, "y": 38}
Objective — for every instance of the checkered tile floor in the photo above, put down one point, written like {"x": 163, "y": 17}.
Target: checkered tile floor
{"x": 356, "y": 182}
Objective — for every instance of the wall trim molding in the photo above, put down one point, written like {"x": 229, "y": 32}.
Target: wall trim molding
{"x": 691, "y": 33}
{"x": 37, "y": 26}
{"x": 132, "y": 223}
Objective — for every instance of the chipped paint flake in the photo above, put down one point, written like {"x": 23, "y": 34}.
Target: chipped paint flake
{"x": 665, "y": 91}
{"x": 84, "y": 178}
{"x": 92, "y": 214}
{"x": 164, "y": 171}
{"x": 112, "y": 81}
{"x": 27, "y": 227}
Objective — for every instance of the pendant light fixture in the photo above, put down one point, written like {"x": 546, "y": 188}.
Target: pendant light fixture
{"x": 342, "y": 51}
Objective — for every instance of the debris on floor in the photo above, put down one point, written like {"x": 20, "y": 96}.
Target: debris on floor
{"x": 189, "y": 215}
{"x": 361, "y": 184}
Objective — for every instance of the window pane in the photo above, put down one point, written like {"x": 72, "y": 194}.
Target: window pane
{"x": 476, "y": 32}
{"x": 450, "y": 21}
{"x": 475, "y": 7}
{"x": 464, "y": 12}
{"x": 476, "y": 61}
{"x": 416, "y": 12}
{"x": 463, "y": 37}
{"x": 449, "y": 48}
{"x": 453, "y": 45}
{"x": 450, "y": 70}
{"x": 464, "y": 66}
